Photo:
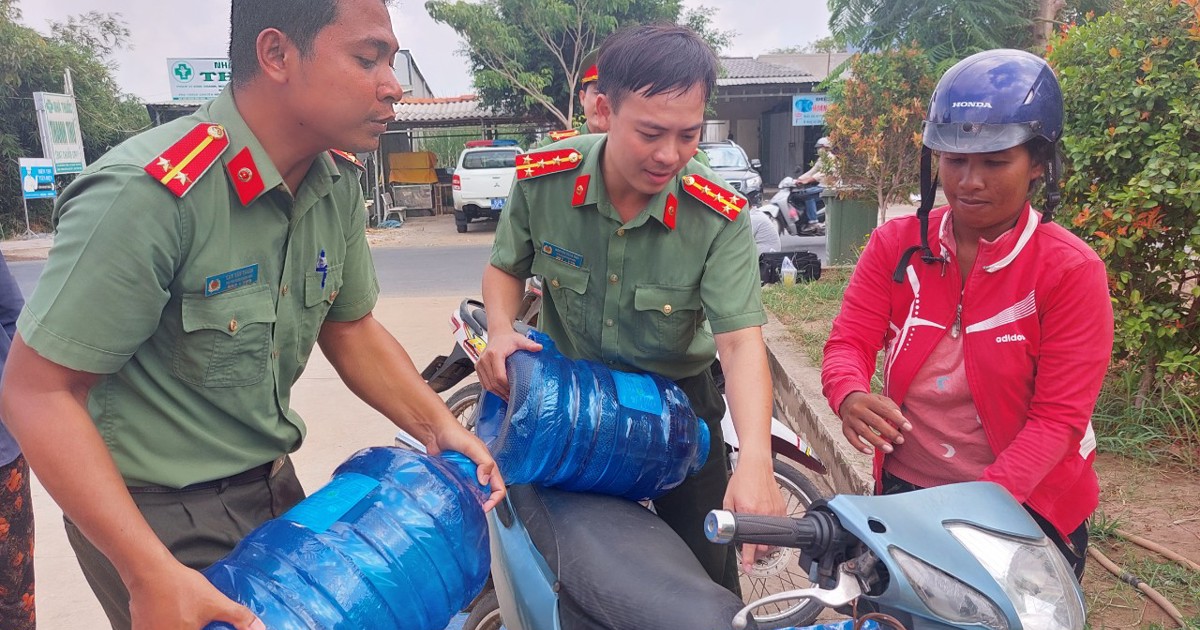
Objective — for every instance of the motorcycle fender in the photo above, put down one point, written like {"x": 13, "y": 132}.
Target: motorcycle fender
{"x": 524, "y": 582}
{"x": 784, "y": 441}
{"x": 445, "y": 372}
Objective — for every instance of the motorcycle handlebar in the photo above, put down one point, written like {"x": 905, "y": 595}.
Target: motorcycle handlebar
{"x": 814, "y": 530}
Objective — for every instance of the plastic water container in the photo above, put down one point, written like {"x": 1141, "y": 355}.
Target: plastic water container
{"x": 396, "y": 540}
{"x": 580, "y": 426}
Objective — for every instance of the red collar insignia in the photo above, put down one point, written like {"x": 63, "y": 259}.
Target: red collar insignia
{"x": 670, "y": 211}
{"x": 579, "y": 195}
{"x": 349, "y": 157}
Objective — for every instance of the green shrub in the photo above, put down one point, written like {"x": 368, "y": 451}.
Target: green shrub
{"x": 1130, "y": 82}
{"x": 875, "y": 124}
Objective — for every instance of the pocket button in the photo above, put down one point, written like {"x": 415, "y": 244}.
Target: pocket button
{"x": 667, "y": 309}
{"x": 233, "y": 325}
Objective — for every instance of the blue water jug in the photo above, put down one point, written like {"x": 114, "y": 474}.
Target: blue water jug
{"x": 396, "y": 540}
{"x": 580, "y": 426}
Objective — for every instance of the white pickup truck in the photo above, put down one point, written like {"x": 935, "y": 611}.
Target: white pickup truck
{"x": 484, "y": 176}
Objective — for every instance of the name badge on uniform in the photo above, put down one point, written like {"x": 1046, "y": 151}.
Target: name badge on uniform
{"x": 230, "y": 280}
{"x": 562, "y": 254}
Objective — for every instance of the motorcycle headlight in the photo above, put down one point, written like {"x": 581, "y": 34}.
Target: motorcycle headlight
{"x": 1034, "y": 575}
{"x": 753, "y": 183}
{"x": 947, "y": 596}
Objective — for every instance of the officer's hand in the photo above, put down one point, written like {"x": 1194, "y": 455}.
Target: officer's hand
{"x": 752, "y": 490}
{"x": 872, "y": 419}
{"x": 175, "y": 596}
{"x": 492, "y": 373}
{"x": 453, "y": 437}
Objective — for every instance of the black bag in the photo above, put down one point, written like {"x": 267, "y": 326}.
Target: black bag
{"x": 808, "y": 266}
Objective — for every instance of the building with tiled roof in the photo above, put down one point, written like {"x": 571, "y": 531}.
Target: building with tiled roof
{"x": 753, "y": 107}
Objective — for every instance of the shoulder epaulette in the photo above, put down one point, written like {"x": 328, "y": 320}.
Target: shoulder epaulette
{"x": 532, "y": 165}
{"x": 726, "y": 202}
{"x": 186, "y": 161}
{"x": 349, "y": 157}
{"x": 563, "y": 134}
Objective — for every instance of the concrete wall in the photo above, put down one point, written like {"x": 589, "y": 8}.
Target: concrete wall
{"x": 800, "y": 404}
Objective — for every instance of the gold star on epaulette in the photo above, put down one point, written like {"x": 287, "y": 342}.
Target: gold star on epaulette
{"x": 549, "y": 162}
{"x": 725, "y": 202}
{"x": 183, "y": 163}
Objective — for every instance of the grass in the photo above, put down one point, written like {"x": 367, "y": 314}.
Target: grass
{"x": 807, "y": 309}
{"x": 1164, "y": 429}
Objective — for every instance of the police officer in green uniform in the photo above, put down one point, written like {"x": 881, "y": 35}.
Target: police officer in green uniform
{"x": 194, "y": 268}
{"x": 587, "y": 102}
{"x": 648, "y": 266}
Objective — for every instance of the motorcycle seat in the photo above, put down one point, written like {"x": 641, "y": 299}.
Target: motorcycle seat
{"x": 619, "y": 566}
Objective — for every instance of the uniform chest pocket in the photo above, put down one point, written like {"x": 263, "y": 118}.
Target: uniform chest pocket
{"x": 568, "y": 289}
{"x": 321, "y": 288}
{"x": 667, "y": 318}
{"x": 226, "y": 339}
{"x": 320, "y": 292}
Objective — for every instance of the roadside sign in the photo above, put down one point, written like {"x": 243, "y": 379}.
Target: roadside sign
{"x": 808, "y": 110}
{"x": 197, "y": 79}
{"x": 58, "y": 123}
{"x": 37, "y": 178}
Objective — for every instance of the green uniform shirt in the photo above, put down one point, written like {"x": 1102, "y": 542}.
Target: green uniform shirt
{"x": 200, "y": 311}
{"x": 640, "y": 295}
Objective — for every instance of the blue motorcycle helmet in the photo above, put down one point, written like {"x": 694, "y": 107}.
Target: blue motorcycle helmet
{"x": 991, "y": 101}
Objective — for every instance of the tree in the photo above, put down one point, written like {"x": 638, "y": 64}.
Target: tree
{"x": 874, "y": 123}
{"x": 1132, "y": 186}
{"x": 527, "y": 55}
{"x": 821, "y": 45}
{"x": 31, "y": 62}
{"x": 949, "y": 30}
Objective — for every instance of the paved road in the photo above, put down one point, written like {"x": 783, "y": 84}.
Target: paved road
{"x": 403, "y": 271}
{"x": 422, "y": 271}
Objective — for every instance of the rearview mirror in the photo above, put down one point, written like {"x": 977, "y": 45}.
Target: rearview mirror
{"x": 756, "y": 164}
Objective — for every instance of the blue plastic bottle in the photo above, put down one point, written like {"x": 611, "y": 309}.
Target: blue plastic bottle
{"x": 397, "y": 539}
{"x": 578, "y": 425}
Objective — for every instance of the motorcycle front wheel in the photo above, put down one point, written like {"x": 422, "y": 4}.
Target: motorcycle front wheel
{"x": 465, "y": 403}
{"x": 781, "y": 570}
{"x": 485, "y": 614}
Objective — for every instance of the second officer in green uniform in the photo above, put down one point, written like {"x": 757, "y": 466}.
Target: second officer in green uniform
{"x": 649, "y": 266}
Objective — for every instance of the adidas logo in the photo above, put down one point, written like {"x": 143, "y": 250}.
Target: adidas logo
{"x": 1009, "y": 338}
{"x": 981, "y": 104}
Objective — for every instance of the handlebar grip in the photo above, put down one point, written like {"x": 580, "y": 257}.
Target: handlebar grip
{"x": 725, "y": 527}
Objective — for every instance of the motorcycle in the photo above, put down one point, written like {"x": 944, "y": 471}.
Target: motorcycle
{"x": 775, "y": 571}
{"x": 787, "y": 208}
{"x": 589, "y": 562}
{"x": 963, "y": 555}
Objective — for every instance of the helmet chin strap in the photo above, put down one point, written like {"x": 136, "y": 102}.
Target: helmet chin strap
{"x": 928, "y": 191}
{"x": 1053, "y": 195}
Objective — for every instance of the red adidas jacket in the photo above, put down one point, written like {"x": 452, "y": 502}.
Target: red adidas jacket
{"x": 1039, "y": 331}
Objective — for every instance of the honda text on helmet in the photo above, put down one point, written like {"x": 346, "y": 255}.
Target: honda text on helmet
{"x": 991, "y": 101}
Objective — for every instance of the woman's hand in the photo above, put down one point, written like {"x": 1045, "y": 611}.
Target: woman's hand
{"x": 872, "y": 419}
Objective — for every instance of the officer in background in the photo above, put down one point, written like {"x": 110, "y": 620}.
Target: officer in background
{"x": 587, "y": 101}
{"x": 194, "y": 268}
{"x": 649, "y": 266}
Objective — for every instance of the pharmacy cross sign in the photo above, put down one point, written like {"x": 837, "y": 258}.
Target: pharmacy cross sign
{"x": 183, "y": 72}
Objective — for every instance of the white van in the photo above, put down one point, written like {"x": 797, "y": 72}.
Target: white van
{"x": 482, "y": 180}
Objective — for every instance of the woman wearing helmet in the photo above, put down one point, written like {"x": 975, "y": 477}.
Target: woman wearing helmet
{"x": 997, "y": 323}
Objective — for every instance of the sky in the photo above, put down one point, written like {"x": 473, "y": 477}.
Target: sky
{"x": 162, "y": 29}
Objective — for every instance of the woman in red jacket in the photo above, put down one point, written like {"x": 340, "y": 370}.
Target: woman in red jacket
{"x": 997, "y": 323}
